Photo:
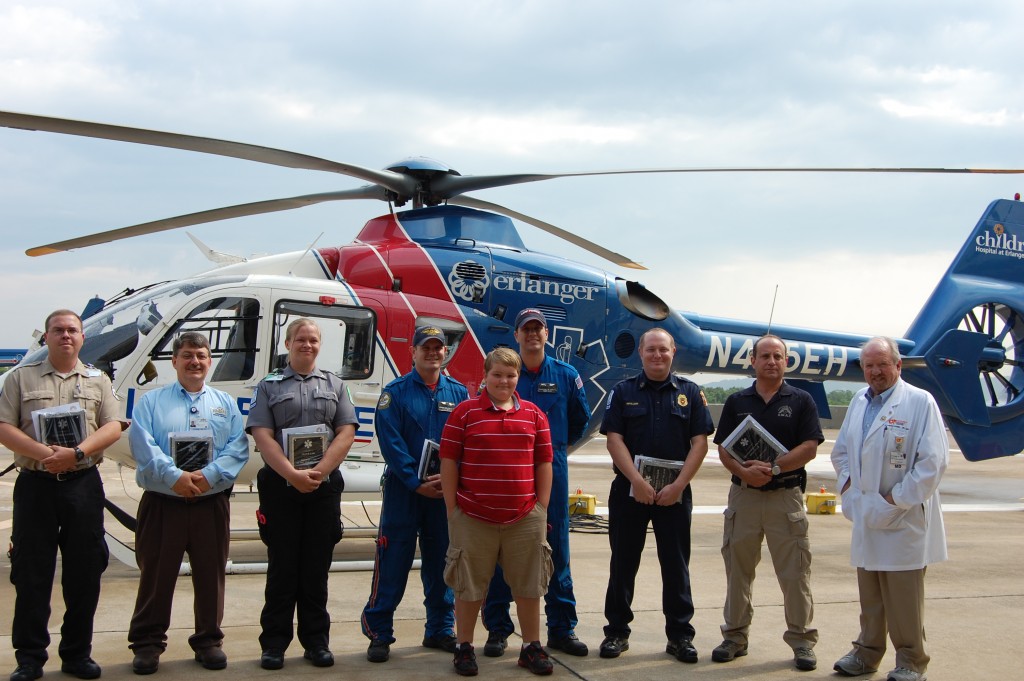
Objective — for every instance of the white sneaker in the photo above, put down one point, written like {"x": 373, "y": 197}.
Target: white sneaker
{"x": 851, "y": 665}
{"x": 904, "y": 674}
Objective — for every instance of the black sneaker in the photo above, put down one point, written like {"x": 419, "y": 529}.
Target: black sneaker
{"x": 728, "y": 650}
{"x": 379, "y": 651}
{"x": 445, "y": 642}
{"x": 682, "y": 650}
{"x": 534, "y": 658}
{"x": 613, "y": 646}
{"x": 27, "y": 672}
{"x": 496, "y": 644}
{"x": 465, "y": 660}
{"x": 86, "y": 668}
{"x": 569, "y": 644}
{"x": 272, "y": 659}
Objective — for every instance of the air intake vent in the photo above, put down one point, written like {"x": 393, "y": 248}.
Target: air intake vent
{"x": 470, "y": 271}
{"x": 552, "y": 314}
{"x": 624, "y": 345}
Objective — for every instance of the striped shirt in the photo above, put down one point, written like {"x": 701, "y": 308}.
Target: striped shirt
{"x": 497, "y": 451}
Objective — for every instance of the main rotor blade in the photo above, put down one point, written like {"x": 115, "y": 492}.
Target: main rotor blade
{"x": 241, "y": 210}
{"x": 585, "y": 244}
{"x": 453, "y": 185}
{"x": 400, "y": 184}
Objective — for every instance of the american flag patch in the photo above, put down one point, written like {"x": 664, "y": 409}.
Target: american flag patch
{"x": 579, "y": 382}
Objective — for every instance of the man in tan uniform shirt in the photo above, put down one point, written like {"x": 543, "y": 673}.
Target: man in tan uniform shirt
{"x": 58, "y": 500}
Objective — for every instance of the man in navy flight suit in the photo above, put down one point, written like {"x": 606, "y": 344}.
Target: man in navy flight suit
{"x": 555, "y": 387}
{"x": 412, "y": 409}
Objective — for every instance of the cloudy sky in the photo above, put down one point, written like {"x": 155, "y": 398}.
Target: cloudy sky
{"x": 494, "y": 87}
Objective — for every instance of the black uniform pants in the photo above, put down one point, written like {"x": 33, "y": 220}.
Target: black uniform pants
{"x": 168, "y": 528}
{"x": 51, "y": 514}
{"x": 627, "y": 534}
{"x": 300, "y": 531}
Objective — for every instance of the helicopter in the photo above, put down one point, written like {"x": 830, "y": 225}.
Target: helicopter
{"x": 459, "y": 263}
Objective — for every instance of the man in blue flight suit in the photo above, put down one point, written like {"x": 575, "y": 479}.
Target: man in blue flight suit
{"x": 412, "y": 409}
{"x": 555, "y": 387}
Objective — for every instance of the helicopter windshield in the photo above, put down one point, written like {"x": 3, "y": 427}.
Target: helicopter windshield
{"x": 113, "y": 333}
{"x": 452, "y": 224}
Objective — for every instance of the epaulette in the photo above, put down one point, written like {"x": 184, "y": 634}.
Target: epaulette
{"x": 453, "y": 380}
{"x": 680, "y": 378}
{"x": 26, "y": 364}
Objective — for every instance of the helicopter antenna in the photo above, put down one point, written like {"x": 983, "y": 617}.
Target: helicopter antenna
{"x": 308, "y": 249}
{"x": 771, "y": 315}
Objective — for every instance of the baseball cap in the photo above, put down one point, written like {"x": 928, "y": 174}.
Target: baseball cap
{"x": 530, "y": 315}
{"x": 425, "y": 333}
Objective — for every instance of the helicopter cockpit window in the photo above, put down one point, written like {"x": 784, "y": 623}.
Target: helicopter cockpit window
{"x": 346, "y": 337}
{"x": 231, "y": 323}
{"x": 453, "y": 333}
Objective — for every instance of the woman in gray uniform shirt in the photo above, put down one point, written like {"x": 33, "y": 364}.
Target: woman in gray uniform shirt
{"x": 300, "y": 512}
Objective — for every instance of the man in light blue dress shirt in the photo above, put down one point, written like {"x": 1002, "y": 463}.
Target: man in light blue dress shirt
{"x": 189, "y": 444}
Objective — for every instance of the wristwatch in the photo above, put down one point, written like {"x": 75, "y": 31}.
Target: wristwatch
{"x": 79, "y": 455}
{"x": 776, "y": 469}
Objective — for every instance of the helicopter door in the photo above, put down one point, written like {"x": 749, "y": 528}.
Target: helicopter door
{"x": 230, "y": 323}
{"x": 347, "y": 335}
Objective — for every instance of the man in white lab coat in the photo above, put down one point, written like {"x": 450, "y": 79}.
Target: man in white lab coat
{"x": 889, "y": 457}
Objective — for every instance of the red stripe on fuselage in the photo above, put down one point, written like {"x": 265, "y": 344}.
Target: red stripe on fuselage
{"x": 384, "y": 251}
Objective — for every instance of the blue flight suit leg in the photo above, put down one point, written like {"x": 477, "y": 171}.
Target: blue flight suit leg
{"x": 404, "y": 516}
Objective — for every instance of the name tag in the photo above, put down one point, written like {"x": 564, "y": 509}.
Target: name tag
{"x": 445, "y": 406}
{"x": 547, "y": 388}
{"x": 198, "y": 423}
{"x": 897, "y": 460}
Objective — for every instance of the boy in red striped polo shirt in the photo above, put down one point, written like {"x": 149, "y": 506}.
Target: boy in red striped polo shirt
{"x": 496, "y": 478}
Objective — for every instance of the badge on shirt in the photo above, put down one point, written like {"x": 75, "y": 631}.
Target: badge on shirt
{"x": 547, "y": 388}
{"x": 682, "y": 401}
{"x": 198, "y": 423}
{"x": 445, "y": 406}
{"x": 898, "y": 427}
{"x": 897, "y": 460}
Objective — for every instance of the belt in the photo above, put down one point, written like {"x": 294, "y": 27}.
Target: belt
{"x": 190, "y": 500}
{"x": 59, "y": 477}
{"x": 782, "y": 482}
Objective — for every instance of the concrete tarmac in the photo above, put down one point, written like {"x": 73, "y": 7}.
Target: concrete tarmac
{"x": 974, "y": 611}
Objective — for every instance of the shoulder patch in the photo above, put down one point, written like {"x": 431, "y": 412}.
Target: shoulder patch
{"x": 384, "y": 402}
{"x": 579, "y": 382}
{"x": 703, "y": 398}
